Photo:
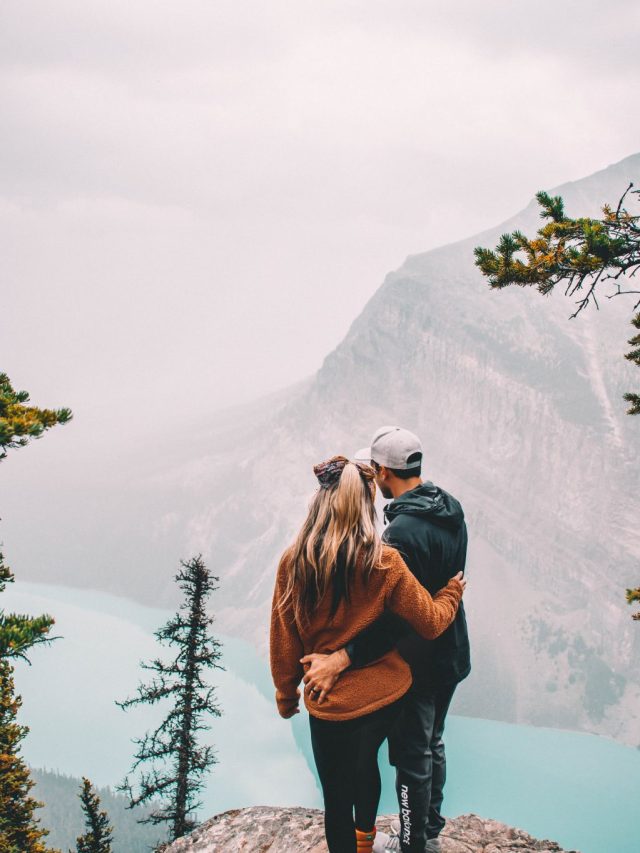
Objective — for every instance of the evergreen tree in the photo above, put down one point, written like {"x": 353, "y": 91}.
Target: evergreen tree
{"x": 19, "y": 633}
{"x": 20, "y": 423}
{"x": 633, "y": 597}
{"x": 581, "y": 254}
{"x": 177, "y": 761}
{"x": 97, "y": 838}
{"x": 20, "y": 831}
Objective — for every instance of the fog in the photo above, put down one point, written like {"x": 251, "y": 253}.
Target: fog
{"x": 197, "y": 199}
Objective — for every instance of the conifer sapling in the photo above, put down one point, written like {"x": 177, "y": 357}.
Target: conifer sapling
{"x": 99, "y": 832}
{"x": 177, "y": 761}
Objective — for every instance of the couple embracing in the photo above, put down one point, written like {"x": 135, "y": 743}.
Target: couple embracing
{"x": 376, "y": 630}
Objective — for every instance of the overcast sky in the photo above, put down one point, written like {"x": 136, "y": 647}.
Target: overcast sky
{"x": 197, "y": 198}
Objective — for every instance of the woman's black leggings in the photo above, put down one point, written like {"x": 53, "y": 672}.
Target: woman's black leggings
{"x": 346, "y": 755}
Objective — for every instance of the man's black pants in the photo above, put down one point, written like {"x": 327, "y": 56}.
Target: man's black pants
{"x": 416, "y": 750}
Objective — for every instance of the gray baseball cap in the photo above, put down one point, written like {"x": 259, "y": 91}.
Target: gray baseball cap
{"x": 363, "y": 455}
{"x": 392, "y": 447}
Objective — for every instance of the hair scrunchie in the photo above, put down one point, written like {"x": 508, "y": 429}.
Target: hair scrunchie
{"x": 329, "y": 472}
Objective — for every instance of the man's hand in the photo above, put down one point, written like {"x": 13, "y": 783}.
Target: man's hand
{"x": 461, "y": 580}
{"x": 323, "y": 672}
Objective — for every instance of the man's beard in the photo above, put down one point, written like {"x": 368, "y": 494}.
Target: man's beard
{"x": 386, "y": 491}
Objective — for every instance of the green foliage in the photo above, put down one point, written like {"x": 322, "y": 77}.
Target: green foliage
{"x": 97, "y": 838}
{"x": 19, "y": 633}
{"x": 581, "y": 254}
{"x": 20, "y": 831}
{"x": 633, "y": 597}
{"x": 634, "y": 356}
{"x": 177, "y": 761}
{"x": 20, "y": 423}
{"x": 62, "y": 814}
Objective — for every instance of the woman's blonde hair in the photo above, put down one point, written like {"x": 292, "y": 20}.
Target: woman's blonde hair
{"x": 339, "y": 532}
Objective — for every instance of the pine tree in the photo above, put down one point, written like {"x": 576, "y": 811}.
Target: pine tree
{"x": 20, "y": 423}
{"x": 177, "y": 761}
{"x": 19, "y": 633}
{"x": 634, "y": 356}
{"x": 633, "y": 597}
{"x": 581, "y": 254}
{"x": 97, "y": 838}
{"x": 20, "y": 831}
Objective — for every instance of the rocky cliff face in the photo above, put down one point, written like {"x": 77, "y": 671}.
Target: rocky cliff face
{"x": 271, "y": 830}
{"x": 521, "y": 416}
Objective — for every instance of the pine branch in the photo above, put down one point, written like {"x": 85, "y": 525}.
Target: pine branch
{"x": 582, "y": 254}
{"x": 633, "y": 597}
{"x": 19, "y": 424}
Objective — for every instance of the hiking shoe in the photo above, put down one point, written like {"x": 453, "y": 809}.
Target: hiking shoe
{"x": 433, "y": 846}
{"x": 385, "y": 843}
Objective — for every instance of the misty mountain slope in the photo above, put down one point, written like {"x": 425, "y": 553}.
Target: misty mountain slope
{"x": 521, "y": 417}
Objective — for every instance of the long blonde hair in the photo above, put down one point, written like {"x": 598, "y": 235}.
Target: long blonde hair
{"x": 339, "y": 532}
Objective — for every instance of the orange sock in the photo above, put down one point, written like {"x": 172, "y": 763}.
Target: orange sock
{"x": 364, "y": 840}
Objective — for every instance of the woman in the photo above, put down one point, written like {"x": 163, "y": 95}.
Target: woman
{"x": 335, "y": 580}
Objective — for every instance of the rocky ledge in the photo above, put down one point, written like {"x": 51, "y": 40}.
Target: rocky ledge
{"x": 264, "y": 829}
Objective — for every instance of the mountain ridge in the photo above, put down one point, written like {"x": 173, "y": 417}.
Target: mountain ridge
{"x": 521, "y": 416}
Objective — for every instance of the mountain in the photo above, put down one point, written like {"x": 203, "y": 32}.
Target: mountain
{"x": 521, "y": 416}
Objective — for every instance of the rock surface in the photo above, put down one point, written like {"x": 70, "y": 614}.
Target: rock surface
{"x": 279, "y": 830}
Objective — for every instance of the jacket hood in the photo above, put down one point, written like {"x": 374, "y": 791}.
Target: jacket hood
{"x": 430, "y": 502}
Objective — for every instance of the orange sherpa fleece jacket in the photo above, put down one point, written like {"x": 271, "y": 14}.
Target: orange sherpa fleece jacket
{"x": 390, "y": 586}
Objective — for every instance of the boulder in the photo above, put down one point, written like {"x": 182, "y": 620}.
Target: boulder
{"x": 265, "y": 829}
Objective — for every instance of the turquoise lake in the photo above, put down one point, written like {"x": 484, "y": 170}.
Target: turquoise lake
{"x": 580, "y": 790}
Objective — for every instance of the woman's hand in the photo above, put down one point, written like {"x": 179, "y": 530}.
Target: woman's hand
{"x": 286, "y": 715}
{"x": 292, "y": 710}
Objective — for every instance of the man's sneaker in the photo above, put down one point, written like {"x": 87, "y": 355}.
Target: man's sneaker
{"x": 386, "y": 843}
{"x": 433, "y": 846}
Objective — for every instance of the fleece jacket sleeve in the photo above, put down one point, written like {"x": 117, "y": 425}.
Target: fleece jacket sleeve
{"x": 406, "y": 597}
{"x": 376, "y": 640}
{"x": 286, "y": 649}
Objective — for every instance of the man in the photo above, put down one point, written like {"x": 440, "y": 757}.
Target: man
{"x": 427, "y": 527}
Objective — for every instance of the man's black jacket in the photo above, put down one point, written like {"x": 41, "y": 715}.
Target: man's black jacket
{"x": 427, "y": 527}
